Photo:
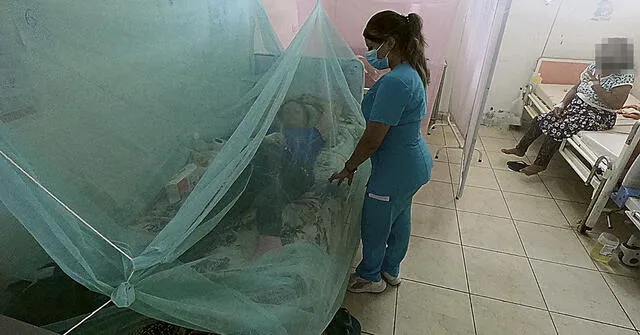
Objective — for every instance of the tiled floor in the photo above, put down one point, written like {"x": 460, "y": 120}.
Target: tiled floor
{"x": 503, "y": 259}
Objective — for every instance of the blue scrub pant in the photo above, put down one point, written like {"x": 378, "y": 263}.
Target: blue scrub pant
{"x": 385, "y": 229}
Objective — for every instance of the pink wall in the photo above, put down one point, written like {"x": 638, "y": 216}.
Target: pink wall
{"x": 351, "y": 16}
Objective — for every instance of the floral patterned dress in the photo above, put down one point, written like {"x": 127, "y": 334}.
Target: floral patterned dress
{"x": 586, "y": 111}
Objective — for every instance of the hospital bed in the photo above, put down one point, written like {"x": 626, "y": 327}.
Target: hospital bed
{"x": 598, "y": 158}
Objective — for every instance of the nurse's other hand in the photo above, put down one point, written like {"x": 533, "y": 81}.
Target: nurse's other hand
{"x": 341, "y": 176}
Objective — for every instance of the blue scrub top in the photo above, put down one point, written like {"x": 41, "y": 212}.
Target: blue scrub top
{"x": 403, "y": 162}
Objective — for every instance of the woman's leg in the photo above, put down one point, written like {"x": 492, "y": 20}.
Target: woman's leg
{"x": 375, "y": 229}
{"x": 547, "y": 150}
{"x": 531, "y": 135}
{"x": 398, "y": 241}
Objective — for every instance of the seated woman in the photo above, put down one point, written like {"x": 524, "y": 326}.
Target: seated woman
{"x": 590, "y": 105}
{"x": 284, "y": 164}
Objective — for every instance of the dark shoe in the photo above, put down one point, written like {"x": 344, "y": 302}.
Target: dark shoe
{"x": 516, "y": 166}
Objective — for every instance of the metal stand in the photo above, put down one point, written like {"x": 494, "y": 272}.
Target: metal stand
{"x": 460, "y": 146}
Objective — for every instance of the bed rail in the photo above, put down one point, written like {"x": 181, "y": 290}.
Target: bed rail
{"x": 610, "y": 180}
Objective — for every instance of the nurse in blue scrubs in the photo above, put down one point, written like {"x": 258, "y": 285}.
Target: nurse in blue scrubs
{"x": 401, "y": 163}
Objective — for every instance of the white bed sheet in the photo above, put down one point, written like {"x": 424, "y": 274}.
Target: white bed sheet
{"x": 607, "y": 143}
{"x": 603, "y": 143}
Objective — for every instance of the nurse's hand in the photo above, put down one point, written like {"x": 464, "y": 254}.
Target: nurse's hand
{"x": 341, "y": 176}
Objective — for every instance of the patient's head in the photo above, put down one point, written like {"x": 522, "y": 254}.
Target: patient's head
{"x": 293, "y": 114}
{"x": 615, "y": 54}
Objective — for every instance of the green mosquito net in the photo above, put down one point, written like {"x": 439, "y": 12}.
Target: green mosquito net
{"x": 172, "y": 160}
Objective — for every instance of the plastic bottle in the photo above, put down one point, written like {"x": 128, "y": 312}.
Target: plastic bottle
{"x": 536, "y": 80}
{"x": 603, "y": 250}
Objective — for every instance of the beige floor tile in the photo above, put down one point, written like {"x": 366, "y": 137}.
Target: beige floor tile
{"x": 424, "y": 309}
{"x": 482, "y": 201}
{"x": 496, "y": 317}
{"x": 374, "y": 311}
{"x": 435, "y": 262}
{"x": 553, "y": 244}
{"x": 568, "y": 189}
{"x": 435, "y": 138}
{"x": 495, "y": 144}
{"x": 450, "y": 138}
{"x": 437, "y": 194}
{"x": 434, "y": 222}
{"x": 478, "y": 177}
{"x": 489, "y": 232}
{"x": 496, "y": 132}
{"x": 438, "y": 130}
{"x": 579, "y": 292}
{"x": 628, "y": 292}
{"x": 440, "y": 172}
{"x": 447, "y": 130}
{"x": 568, "y": 325}
{"x": 520, "y": 183}
{"x": 616, "y": 268}
{"x": 441, "y": 156}
{"x": 455, "y": 157}
{"x": 534, "y": 209}
{"x": 573, "y": 211}
{"x": 502, "y": 276}
{"x": 499, "y": 160}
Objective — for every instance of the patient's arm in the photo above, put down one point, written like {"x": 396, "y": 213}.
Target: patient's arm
{"x": 570, "y": 95}
{"x": 614, "y": 99}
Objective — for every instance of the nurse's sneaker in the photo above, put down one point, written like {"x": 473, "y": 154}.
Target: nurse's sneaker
{"x": 359, "y": 285}
{"x": 391, "y": 280}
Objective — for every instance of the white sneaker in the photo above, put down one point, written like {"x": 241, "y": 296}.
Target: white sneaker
{"x": 391, "y": 280}
{"x": 359, "y": 285}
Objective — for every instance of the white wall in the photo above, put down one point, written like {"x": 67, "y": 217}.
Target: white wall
{"x": 283, "y": 15}
{"x": 452, "y": 54}
{"x": 575, "y": 34}
{"x": 528, "y": 27}
{"x": 533, "y": 31}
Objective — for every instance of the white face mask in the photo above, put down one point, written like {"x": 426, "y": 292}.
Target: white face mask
{"x": 378, "y": 63}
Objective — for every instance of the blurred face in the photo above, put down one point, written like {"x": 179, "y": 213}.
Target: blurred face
{"x": 614, "y": 54}
{"x": 293, "y": 115}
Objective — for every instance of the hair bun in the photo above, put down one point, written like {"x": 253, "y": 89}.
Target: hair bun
{"x": 415, "y": 23}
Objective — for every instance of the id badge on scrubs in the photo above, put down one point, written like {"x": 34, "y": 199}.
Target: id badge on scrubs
{"x": 384, "y": 198}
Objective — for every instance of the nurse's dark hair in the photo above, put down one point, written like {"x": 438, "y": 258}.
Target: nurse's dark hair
{"x": 407, "y": 33}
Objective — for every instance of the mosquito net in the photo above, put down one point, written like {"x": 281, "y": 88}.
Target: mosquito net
{"x": 172, "y": 159}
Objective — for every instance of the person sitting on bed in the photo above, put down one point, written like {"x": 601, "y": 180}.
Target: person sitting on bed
{"x": 283, "y": 169}
{"x": 590, "y": 105}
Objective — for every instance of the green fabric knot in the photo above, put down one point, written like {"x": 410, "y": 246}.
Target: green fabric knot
{"x": 124, "y": 295}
